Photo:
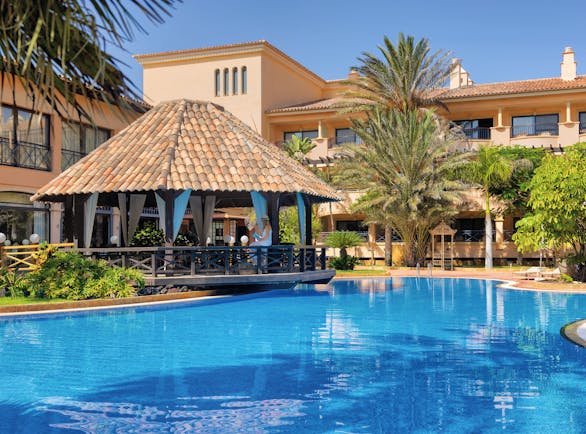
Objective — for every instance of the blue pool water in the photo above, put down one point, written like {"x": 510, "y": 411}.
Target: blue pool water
{"x": 374, "y": 355}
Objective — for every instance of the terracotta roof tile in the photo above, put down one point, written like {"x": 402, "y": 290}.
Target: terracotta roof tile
{"x": 476, "y": 90}
{"x": 170, "y": 148}
{"x": 515, "y": 87}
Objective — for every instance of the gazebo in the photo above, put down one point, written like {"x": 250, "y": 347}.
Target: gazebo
{"x": 442, "y": 230}
{"x": 182, "y": 153}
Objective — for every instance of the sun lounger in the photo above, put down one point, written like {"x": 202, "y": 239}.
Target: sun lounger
{"x": 530, "y": 273}
{"x": 551, "y": 274}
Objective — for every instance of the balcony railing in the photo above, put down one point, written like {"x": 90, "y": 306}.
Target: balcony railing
{"x": 532, "y": 130}
{"x": 69, "y": 158}
{"x": 479, "y": 133}
{"x": 472, "y": 235}
{"x": 24, "y": 154}
{"x": 191, "y": 261}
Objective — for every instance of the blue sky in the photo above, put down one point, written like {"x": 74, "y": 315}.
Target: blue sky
{"x": 497, "y": 40}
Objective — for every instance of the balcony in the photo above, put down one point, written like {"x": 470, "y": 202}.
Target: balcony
{"x": 69, "y": 158}
{"x": 24, "y": 154}
{"x": 532, "y": 130}
{"x": 478, "y": 133}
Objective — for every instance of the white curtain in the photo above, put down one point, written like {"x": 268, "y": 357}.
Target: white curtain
{"x": 89, "y": 208}
{"x": 161, "y": 208}
{"x": 208, "y": 215}
{"x": 197, "y": 216}
{"x": 135, "y": 209}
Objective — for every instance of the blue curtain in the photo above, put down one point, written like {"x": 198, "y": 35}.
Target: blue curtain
{"x": 179, "y": 210}
{"x": 260, "y": 206}
{"x": 301, "y": 215}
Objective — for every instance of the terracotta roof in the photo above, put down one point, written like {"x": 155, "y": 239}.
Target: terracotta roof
{"x": 320, "y": 104}
{"x": 515, "y": 87}
{"x": 476, "y": 90}
{"x": 181, "y": 145}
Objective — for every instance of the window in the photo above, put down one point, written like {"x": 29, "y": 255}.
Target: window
{"x": 226, "y": 81}
{"x": 24, "y": 139}
{"x": 244, "y": 74}
{"x": 471, "y": 230}
{"x": 476, "y": 128}
{"x": 235, "y": 81}
{"x": 305, "y": 134}
{"x": 217, "y": 81}
{"x": 346, "y": 135}
{"x": 78, "y": 140}
{"x": 582, "y": 119}
{"x": 19, "y": 218}
{"x": 535, "y": 125}
{"x": 352, "y": 225}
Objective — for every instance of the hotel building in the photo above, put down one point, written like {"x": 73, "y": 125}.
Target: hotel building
{"x": 279, "y": 97}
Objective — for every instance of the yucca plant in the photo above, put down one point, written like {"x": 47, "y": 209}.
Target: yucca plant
{"x": 343, "y": 240}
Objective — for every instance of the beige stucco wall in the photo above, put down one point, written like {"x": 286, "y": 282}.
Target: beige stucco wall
{"x": 195, "y": 79}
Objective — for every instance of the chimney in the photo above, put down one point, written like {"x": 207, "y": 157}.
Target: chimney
{"x": 353, "y": 75}
{"x": 568, "y": 65}
{"x": 459, "y": 77}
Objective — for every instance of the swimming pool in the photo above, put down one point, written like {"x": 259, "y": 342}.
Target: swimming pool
{"x": 371, "y": 355}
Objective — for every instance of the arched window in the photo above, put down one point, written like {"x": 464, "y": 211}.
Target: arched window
{"x": 226, "y": 81}
{"x": 244, "y": 86}
{"x": 235, "y": 81}
{"x": 217, "y": 81}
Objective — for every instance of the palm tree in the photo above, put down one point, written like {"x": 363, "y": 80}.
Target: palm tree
{"x": 490, "y": 169}
{"x": 298, "y": 147}
{"x": 403, "y": 167}
{"x": 57, "y": 49}
{"x": 403, "y": 78}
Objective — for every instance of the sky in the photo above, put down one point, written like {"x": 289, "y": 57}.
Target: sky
{"x": 496, "y": 40}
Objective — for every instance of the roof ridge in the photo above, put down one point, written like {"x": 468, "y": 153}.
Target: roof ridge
{"x": 173, "y": 144}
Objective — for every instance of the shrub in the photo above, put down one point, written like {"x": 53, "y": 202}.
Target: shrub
{"x": 148, "y": 236}
{"x": 566, "y": 278}
{"x": 344, "y": 263}
{"x": 12, "y": 283}
{"x": 72, "y": 276}
{"x": 342, "y": 240}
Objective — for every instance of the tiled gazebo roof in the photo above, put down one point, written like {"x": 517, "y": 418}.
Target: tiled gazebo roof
{"x": 184, "y": 144}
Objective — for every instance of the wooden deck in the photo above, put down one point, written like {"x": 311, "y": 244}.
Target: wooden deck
{"x": 256, "y": 281}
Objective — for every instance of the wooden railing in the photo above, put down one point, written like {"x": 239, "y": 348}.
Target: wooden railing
{"x": 190, "y": 261}
{"x": 22, "y": 257}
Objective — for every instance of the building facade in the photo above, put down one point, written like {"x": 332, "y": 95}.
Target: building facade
{"x": 279, "y": 97}
{"x": 36, "y": 144}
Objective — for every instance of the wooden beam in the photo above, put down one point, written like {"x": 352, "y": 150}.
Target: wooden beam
{"x": 308, "y": 219}
{"x": 68, "y": 219}
{"x": 273, "y": 205}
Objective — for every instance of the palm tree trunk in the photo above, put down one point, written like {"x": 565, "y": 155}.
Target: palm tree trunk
{"x": 487, "y": 235}
{"x": 388, "y": 246}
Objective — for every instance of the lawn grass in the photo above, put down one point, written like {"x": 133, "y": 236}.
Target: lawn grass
{"x": 11, "y": 301}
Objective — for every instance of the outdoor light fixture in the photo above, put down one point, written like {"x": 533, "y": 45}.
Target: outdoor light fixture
{"x": 243, "y": 239}
{"x": 25, "y": 242}
{"x": 34, "y": 238}
{"x": 2, "y": 237}
{"x": 114, "y": 240}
